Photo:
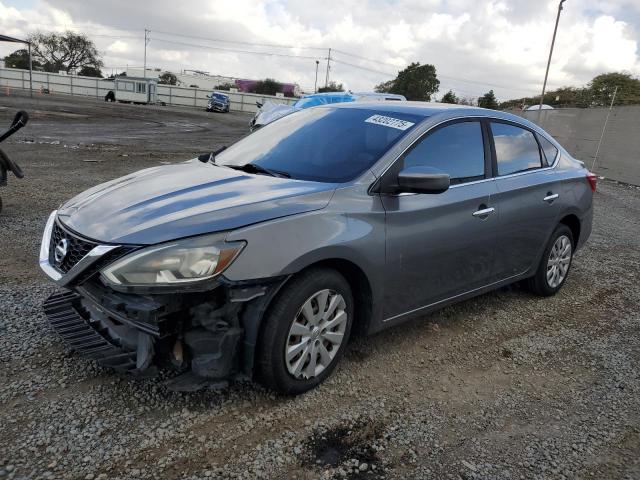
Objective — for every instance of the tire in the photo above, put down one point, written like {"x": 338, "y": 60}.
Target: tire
{"x": 540, "y": 284}
{"x": 307, "y": 289}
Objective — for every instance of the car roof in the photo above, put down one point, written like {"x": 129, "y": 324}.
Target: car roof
{"x": 442, "y": 110}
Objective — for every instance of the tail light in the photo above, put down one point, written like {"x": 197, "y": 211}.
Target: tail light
{"x": 593, "y": 181}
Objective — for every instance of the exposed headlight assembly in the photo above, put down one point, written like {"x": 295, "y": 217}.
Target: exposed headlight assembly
{"x": 189, "y": 264}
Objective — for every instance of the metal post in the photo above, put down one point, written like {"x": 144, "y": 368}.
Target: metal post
{"x": 553, "y": 41}
{"x": 30, "y": 72}
{"x": 604, "y": 128}
{"x": 315, "y": 87}
{"x": 146, "y": 41}
{"x": 326, "y": 79}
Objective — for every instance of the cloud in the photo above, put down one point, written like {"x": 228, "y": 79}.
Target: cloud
{"x": 475, "y": 45}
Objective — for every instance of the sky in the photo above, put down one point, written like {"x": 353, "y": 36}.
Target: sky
{"x": 475, "y": 45}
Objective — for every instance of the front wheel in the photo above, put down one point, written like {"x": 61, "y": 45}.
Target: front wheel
{"x": 305, "y": 332}
{"x": 555, "y": 264}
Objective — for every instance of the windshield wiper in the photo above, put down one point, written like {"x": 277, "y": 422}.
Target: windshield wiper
{"x": 211, "y": 157}
{"x": 255, "y": 168}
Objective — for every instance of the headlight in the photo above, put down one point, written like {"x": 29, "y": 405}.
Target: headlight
{"x": 189, "y": 262}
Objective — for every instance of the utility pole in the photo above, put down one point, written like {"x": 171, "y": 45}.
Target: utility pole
{"x": 30, "y": 72}
{"x": 326, "y": 79}
{"x": 146, "y": 41}
{"x": 553, "y": 41}
{"x": 315, "y": 87}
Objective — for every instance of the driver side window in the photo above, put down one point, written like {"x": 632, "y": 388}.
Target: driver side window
{"x": 456, "y": 149}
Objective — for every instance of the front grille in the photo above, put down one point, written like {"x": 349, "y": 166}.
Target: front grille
{"x": 64, "y": 313}
{"x": 77, "y": 248}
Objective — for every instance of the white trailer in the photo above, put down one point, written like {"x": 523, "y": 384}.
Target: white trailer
{"x": 136, "y": 89}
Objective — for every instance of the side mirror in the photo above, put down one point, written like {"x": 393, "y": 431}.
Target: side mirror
{"x": 20, "y": 120}
{"x": 208, "y": 96}
{"x": 258, "y": 104}
{"x": 423, "y": 180}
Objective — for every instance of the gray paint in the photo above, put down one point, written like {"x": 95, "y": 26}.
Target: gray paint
{"x": 579, "y": 131}
{"x": 418, "y": 251}
{"x": 173, "y": 201}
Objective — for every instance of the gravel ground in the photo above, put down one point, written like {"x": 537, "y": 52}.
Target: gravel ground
{"x": 504, "y": 386}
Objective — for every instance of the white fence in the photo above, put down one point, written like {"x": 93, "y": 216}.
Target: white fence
{"x": 56, "y": 84}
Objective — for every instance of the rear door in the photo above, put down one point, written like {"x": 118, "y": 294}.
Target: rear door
{"x": 441, "y": 245}
{"x": 527, "y": 198}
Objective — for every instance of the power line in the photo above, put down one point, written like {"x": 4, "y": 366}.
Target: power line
{"x": 92, "y": 28}
{"x": 211, "y": 47}
{"x": 238, "y": 42}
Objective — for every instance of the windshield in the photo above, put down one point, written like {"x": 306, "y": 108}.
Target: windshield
{"x": 322, "y": 144}
{"x": 313, "y": 100}
{"x": 219, "y": 96}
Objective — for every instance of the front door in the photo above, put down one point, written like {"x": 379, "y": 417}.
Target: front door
{"x": 441, "y": 245}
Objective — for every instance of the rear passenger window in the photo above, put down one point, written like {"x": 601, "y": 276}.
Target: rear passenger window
{"x": 456, "y": 149}
{"x": 516, "y": 149}
{"x": 549, "y": 149}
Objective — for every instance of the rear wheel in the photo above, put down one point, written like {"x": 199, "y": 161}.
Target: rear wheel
{"x": 305, "y": 332}
{"x": 555, "y": 264}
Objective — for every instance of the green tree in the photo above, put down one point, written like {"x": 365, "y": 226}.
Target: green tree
{"x": 89, "y": 71}
{"x": 332, "y": 87}
{"x": 450, "y": 97}
{"x": 416, "y": 82}
{"x": 20, "y": 59}
{"x": 226, "y": 86}
{"x": 603, "y": 86}
{"x": 167, "y": 78}
{"x": 68, "y": 51}
{"x": 268, "y": 86}
{"x": 488, "y": 100}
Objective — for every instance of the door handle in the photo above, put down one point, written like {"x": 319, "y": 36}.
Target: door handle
{"x": 550, "y": 197}
{"x": 485, "y": 212}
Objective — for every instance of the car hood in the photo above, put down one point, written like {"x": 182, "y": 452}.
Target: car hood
{"x": 174, "y": 201}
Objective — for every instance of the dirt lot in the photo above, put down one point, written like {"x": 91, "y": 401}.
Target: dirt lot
{"x": 504, "y": 386}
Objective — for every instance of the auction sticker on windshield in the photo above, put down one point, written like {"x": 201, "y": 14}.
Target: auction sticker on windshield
{"x": 389, "y": 122}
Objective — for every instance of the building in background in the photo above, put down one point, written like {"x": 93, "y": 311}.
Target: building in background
{"x": 206, "y": 81}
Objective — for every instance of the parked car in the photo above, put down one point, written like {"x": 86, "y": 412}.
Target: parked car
{"x": 264, "y": 259}
{"x": 271, "y": 111}
{"x": 218, "y": 102}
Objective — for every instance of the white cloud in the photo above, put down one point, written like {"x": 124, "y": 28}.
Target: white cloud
{"x": 475, "y": 45}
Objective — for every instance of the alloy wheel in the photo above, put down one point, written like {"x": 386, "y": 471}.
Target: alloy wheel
{"x": 316, "y": 334}
{"x": 559, "y": 261}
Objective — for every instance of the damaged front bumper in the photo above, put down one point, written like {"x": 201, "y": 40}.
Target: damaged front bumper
{"x": 205, "y": 337}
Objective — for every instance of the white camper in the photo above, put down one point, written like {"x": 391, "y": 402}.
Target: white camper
{"x": 136, "y": 89}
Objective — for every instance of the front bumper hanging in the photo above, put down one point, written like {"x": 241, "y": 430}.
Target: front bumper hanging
{"x": 62, "y": 310}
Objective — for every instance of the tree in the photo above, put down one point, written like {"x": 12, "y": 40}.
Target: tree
{"x": 68, "y": 51}
{"x": 603, "y": 86}
{"x": 20, "y": 59}
{"x": 450, "y": 97}
{"x": 167, "y": 78}
{"x": 331, "y": 87}
{"x": 226, "y": 86}
{"x": 88, "y": 71}
{"x": 488, "y": 100}
{"x": 416, "y": 82}
{"x": 469, "y": 101}
{"x": 268, "y": 86}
